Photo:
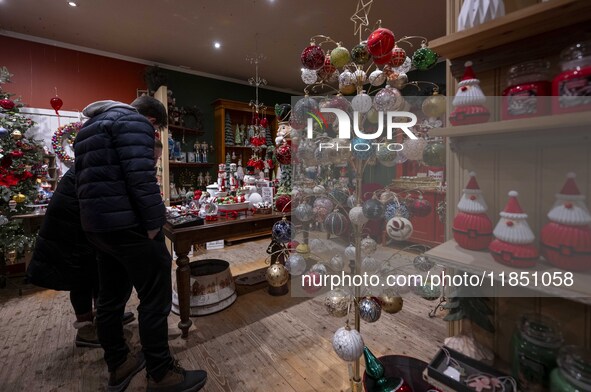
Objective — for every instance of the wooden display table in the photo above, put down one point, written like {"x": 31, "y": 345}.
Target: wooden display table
{"x": 223, "y": 228}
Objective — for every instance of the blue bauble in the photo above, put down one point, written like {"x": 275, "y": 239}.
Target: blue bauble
{"x": 395, "y": 209}
{"x": 282, "y": 231}
{"x": 373, "y": 209}
{"x": 4, "y": 132}
{"x": 340, "y": 196}
{"x": 362, "y": 148}
{"x": 336, "y": 223}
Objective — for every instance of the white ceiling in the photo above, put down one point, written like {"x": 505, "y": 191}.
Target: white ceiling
{"x": 182, "y": 32}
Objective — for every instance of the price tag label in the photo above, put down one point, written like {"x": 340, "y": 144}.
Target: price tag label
{"x": 267, "y": 194}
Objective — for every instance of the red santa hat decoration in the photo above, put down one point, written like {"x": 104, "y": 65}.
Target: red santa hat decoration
{"x": 469, "y": 100}
{"x": 566, "y": 239}
{"x": 472, "y": 228}
{"x": 514, "y": 240}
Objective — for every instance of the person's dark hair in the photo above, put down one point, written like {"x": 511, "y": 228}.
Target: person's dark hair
{"x": 151, "y": 107}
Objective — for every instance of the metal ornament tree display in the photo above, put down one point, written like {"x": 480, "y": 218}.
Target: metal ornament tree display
{"x": 323, "y": 203}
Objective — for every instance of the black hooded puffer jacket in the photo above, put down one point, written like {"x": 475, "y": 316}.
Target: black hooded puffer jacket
{"x": 115, "y": 175}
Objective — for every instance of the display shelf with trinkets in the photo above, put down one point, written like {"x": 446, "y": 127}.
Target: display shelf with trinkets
{"x": 52, "y": 170}
{"x": 530, "y": 155}
{"x": 185, "y": 127}
{"x": 233, "y": 117}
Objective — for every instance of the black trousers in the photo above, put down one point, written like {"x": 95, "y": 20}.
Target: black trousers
{"x": 82, "y": 297}
{"x": 126, "y": 259}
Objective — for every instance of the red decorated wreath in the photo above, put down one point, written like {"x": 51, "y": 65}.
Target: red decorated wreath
{"x": 66, "y": 133}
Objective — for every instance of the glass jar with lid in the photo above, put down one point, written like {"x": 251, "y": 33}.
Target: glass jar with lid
{"x": 573, "y": 84}
{"x": 535, "y": 346}
{"x": 525, "y": 83}
{"x": 573, "y": 373}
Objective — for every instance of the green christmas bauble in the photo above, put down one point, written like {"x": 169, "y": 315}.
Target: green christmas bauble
{"x": 339, "y": 57}
{"x": 424, "y": 58}
{"x": 434, "y": 154}
{"x": 359, "y": 54}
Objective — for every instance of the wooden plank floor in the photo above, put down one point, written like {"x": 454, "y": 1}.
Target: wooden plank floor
{"x": 261, "y": 343}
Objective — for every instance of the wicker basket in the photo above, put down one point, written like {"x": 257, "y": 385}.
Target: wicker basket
{"x": 263, "y": 211}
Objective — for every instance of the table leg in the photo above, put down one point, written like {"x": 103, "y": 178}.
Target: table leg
{"x": 183, "y": 286}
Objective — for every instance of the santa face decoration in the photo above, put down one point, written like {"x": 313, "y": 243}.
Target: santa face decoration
{"x": 399, "y": 229}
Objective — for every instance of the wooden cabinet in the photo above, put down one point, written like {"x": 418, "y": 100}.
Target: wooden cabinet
{"x": 184, "y": 171}
{"x": 531, "y": 156}
{"x": 240, "y": 113}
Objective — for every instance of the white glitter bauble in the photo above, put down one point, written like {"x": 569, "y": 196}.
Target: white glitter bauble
{"x": 405, "y": 67}
{"x": 337, "y": 263}
{"x": 377, "y": 78}
{"x": 361, "y": 103}
{"x": 350, "y": 252}
{"x": 296, "y": 264}
{"x": 346, "y": 78}
{"x": 368, "y": 246}
{"x": 357, "y": 217}
{"x": 309, "y": 76}
{"x": 370, "y": 265}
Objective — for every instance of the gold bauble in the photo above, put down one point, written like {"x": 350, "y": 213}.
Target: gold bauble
{"x": 303, "y": 248}
{"x": 348, "y": 89}
{"x": 391, "y": 301}
{"x": 11, "y": 256}
{"x": 277, "y": 275}
{"x": 337, "y": 303}
{"x": 372, "y": 116}
{"x": 434, "y": 106}
{"x": 16, "y": 135}
{"x": 20, "y": 198}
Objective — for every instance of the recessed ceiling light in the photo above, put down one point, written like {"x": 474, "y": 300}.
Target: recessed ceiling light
{"x": 72, "y": 4}
{"x": 217, "y": 45}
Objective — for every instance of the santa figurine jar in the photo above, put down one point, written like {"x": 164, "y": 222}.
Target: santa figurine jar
{"x": 469, "y": 100}
{"x": 514, "y": 240}
{"x": 472, "y": 228}
{"x": 566, "y": 239}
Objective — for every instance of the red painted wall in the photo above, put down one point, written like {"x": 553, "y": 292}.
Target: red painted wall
{"x": 80, "y": 78}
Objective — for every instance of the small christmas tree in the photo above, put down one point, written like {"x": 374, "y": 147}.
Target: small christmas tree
{"x": 19, "y": 160}
{"x": 229, "y": 133}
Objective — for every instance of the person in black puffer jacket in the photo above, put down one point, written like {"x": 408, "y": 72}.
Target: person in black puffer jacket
{"x": 63, "y": 259}
{"x": 122, "y": 214}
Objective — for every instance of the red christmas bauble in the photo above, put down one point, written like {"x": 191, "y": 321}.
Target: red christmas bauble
{"x": 472, "y": 231}
{"x": 567, "y": 247}
{"x": 283, "y": 203}
{"x": 380, "y": 42}
{"x": 327, "y": 69}
{"x": 264, "y": 122}
{"x": 420, "y": 207}
{"x": 7, "y": 104}
{"x": 385, "y": 59}
{"x": 311, "y": 282}
{"x": 312, "y": 57}
{"x": 398, "y": 56}
{"x": 514, "y": 255}
{"x": 284, "y": 154}
{"x": 17, "y": 154}
{"x": 292, "y": 245}
{"x": 56, "y": 103}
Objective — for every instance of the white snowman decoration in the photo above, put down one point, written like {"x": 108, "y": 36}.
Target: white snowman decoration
{"x": 399, "y": 229}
